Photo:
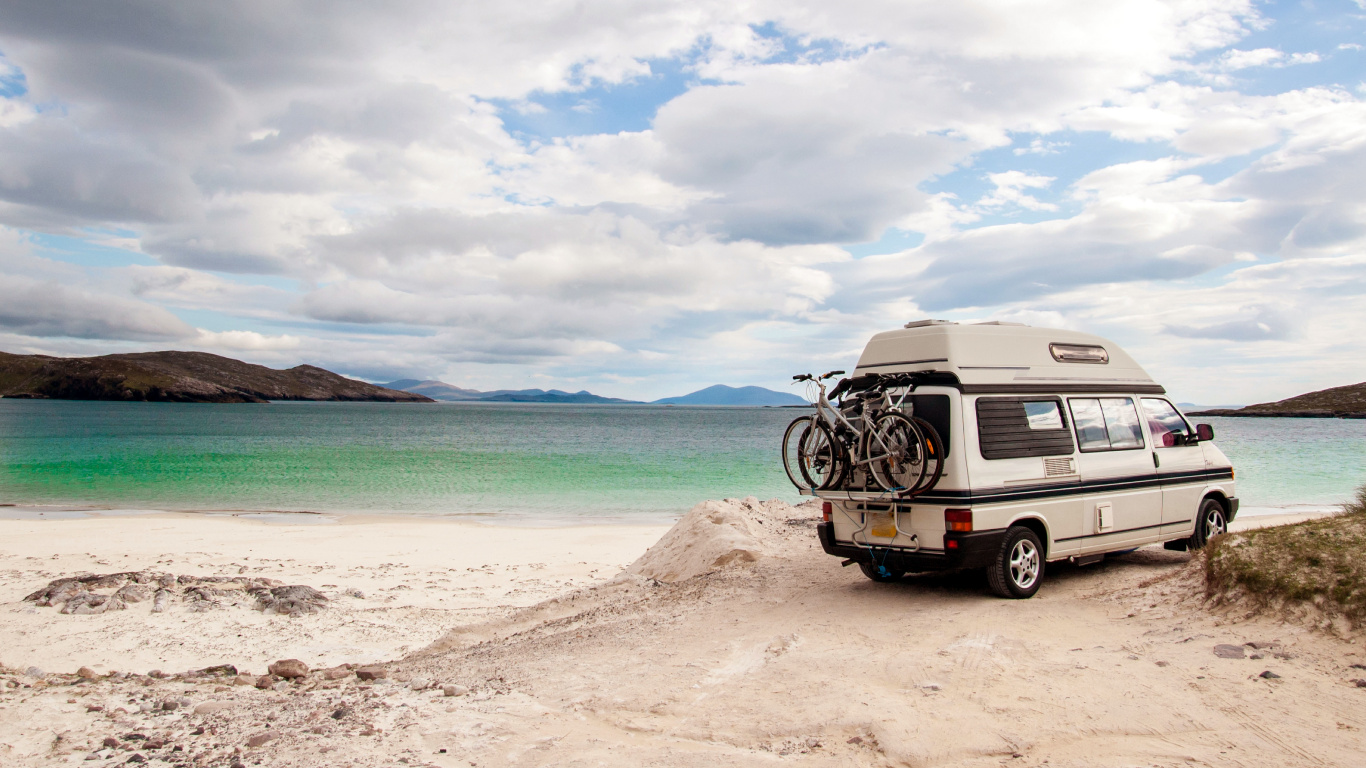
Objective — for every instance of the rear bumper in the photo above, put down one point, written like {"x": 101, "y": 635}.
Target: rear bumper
{"x": 972, "y": 550}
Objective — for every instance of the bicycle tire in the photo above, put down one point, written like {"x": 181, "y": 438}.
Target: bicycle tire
{"x": 792, "y": 440}
{"x": 934, "y": 455}
{"x": 821, "y": 457}
{"x": 896, "y": 452}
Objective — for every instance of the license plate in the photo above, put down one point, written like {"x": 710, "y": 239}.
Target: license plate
{"x": 881, "y": 525}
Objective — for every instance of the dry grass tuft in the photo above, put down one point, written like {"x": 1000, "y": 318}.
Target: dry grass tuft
{"x": 1318, "y": 563}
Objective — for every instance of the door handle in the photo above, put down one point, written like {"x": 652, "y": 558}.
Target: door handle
{"x": 1156, "y": 461}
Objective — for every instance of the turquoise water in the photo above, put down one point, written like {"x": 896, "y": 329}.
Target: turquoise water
{"x": 528, "y": 461}
{"x": 507, "y": 459}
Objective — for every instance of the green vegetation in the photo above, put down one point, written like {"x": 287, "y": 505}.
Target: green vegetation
{"x": 1322, "y": 562}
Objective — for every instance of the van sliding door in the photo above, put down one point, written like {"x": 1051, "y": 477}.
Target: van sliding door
{"x": 1123, "y": 502}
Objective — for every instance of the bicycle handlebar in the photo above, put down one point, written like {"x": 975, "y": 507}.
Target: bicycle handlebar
{"x": 831, "y": 373}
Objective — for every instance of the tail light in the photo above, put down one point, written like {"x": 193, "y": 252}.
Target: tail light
{"x": 958, "y": 520}
{"x": 825, "y": 511}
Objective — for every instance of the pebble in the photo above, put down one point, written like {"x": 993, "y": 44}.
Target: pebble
{"x": 264, "y": 681}
{"x": 1225, "y": 651}
{"x": 87, "y": 673}
{"x": 212, "y": 707}
{"x": 244, "y": 680}
{"x": 1269, "y": 675}
{"x": 337, "y": 673}
{"x": 262, "y": 738}
{"x": 371, "y": 673}
{"x": 137, "y": 758}
{"x": 454, "y": 690}
{"x": 281, "y": 686}
{"x": 110, "y": 741}
{"x": 420, "y": 684}
{"x": 353, "y": 592}
{"x": 35, "y": 672}
{"x": 289, "y": 668}
{"x": 170, "y": 705}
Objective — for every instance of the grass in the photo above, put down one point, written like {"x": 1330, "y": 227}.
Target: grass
{"x": 1320, "y": 562}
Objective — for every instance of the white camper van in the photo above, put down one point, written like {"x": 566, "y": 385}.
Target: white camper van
{"x": 1053, "y": 445}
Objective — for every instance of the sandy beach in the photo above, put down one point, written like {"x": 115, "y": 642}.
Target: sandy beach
{"x": 732, "y": 641}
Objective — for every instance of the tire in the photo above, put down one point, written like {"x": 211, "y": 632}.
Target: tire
{"x": 1018, "y": 570}
{"x": 792, "y": 439}
{"x": 1210, "y": 522}
{"x": 934, "y": 456}
{"x": 896, "y": 451}
{"x": 871, "y": 571}
{"x": 820, "y": 457}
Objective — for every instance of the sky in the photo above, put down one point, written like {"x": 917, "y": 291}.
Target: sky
{"x": 645, "y": 198}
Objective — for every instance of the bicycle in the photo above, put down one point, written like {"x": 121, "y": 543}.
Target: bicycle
{"x": 903, "y": 454}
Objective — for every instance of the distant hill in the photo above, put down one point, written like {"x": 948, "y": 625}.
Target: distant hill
{"x": 720, "y": 394}
{"x": 179, "y": 377}
{"x": 440, "y": 390}
{"x": 1347, "y": 402}
{"x": 436, "y": 390}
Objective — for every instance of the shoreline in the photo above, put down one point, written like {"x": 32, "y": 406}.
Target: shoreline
{"x": 416, "y": 577}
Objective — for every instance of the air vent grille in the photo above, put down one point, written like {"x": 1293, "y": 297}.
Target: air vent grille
{"x": 1059, "y": 466}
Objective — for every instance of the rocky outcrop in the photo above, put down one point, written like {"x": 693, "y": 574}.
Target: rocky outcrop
{"x": 179, "y": 377}
{"x": 1347, "y": 402}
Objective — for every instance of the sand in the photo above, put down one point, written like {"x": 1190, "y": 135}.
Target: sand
{"x": 781, "y": 657}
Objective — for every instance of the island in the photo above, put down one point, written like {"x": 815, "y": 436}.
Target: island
{"x": 180, "y": 377}
{"x": 1346, "y": 402}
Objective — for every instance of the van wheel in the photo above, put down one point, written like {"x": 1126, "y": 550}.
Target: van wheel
{"x": 871, "y": 571}
{"x": 1211, "y": 522}
{"x": 1018, "y": 569}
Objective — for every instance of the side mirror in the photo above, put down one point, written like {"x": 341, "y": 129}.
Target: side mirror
{"x": 1168, "y": 439}
{"x": 1204, "y": 432}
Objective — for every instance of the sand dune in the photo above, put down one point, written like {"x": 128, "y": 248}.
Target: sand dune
{"x": 775, "y": 657}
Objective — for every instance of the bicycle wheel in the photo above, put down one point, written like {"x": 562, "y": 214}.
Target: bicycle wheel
{"x": 792, "y": 440}
{"x": 820, "y": 457}
{"x": 934, "y": 456}
{"x": 896, "y": 453}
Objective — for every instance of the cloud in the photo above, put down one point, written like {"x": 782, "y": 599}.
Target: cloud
{"x": 47, "y": 308}
{"x": 1265, "y": 324}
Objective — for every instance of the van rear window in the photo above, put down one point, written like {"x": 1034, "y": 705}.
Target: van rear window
{"x": 1012, "y": 427}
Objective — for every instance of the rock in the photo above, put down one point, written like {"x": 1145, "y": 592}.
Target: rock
{"x": 1269, "y": 675}
{"x": 289, "y": 668}
{"x": 262, "y": 738}
{"x": 93, "y": 756}
{"x": 133, "y": 593}
{"x": 1162, "y": 663}
{"x": 454, "y": 690}
{"x": 1225, "y": 651}
{"x": 264, "y": 681}
{"x": 371, "y": 673}
{"x": 219, "y": 670}
{"x": 419, "y": 684}
{"x": 237, "y": 764}
{"x": 161, "y": 600}
{"x": 110, "y": 741}
{"x": 337, "y": 673}
{"x": 184, "y": 701}
{"x": 86, "y": 673}
{"x": 137, "y": 758}
{"x": 1256, "y": 656}
{"x": 156, "y": 673}
{"x": 212, "y": 707}
{"x": 1359, "y": 683}
{"x": 144, "y": 707}
{"x": 402, "y": 677}
{"x": 244, "y": 680}
{"x": 170, "y": 705}
{"x": 281, "y": 686}
{"x": 1263, "y": 645}
{"x": 292, "y": 600}
{"x": 353, "y": 592}
{"x": 341, "y": 712}
{"x": 35, "y": 672}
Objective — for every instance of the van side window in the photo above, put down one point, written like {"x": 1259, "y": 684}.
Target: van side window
{"x": 1106, "y": 423}
{"x": 1012, "y": 427}
{"x": 1164, "y": 420}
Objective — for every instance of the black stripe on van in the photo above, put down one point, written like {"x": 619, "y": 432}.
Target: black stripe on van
{"x": 1075, "y": 488}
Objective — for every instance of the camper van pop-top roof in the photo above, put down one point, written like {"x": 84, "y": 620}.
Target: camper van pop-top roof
{"x": 1007, "y": 358}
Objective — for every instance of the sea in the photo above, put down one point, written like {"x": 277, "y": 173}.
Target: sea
{"x": 512, "y": 463}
